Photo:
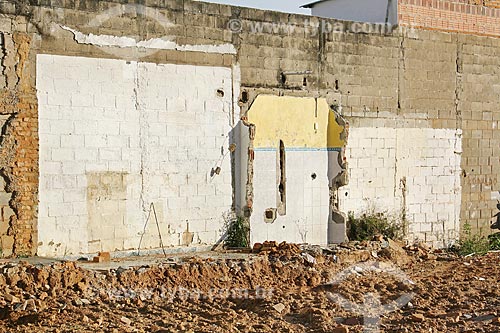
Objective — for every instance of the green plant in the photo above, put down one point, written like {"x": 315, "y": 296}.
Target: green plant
{"x": 367, "y": 226}
{"x": 494, "y": 241}
{"x": 237, "y": 233}
{"x": 471, "y": 243}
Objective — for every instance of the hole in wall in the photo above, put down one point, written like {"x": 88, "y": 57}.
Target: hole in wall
{"x": 220, "y": 92}
{"x": 283, "y": 78}
{"x": 270, "y": 215}
{"x": 314, "y": 176}
{"x": 336, "y": 84}
{"x": 215, "y": 171}
{"x": 304, "y": 82}
{"x": 244, "y": 97}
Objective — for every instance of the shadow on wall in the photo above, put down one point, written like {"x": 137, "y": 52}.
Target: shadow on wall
{"x": 337, "y": 220}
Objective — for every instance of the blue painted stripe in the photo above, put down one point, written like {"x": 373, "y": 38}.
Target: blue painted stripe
{"x": 299, "y": 149}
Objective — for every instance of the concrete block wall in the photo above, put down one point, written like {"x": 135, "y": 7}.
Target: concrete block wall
{"x": 479, "y": 106}
{"x": 116, "y": 137}
{"x": 411, "y": 175}
{"x": 410, "y": 78}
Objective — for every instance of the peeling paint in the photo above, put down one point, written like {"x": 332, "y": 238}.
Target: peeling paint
{"x": 106, "y": 208}
{"x": 153, "y": 43}
{"x": 248, "y": 208}
{"x": 338, "y": 219}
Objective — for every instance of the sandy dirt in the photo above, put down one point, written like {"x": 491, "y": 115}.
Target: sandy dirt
{"x": 281, "y": 290}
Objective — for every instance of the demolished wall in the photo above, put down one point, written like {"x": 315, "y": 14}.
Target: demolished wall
{"x": 18, "y": 146}
{"x": 294, "y": 160}
{"x": 398, "y": 82}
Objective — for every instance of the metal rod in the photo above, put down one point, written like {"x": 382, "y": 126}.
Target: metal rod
{"x": 159, "y": 232}
{"x": 152, "y": 209}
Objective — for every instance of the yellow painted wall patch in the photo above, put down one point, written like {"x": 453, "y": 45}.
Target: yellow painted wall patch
{"x": 301, "y": 122}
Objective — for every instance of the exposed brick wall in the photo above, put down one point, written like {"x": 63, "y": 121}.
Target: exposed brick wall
{"x": 490, "y": 3}
{"x": 18, "y": 148}
{"x": 465, "y": 16}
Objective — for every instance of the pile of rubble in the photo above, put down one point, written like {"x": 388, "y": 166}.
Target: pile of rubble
{"x": 272, "y": 247}
{"x": 284, "y": 288}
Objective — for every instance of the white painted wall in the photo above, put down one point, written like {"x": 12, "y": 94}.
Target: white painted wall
{"x": 370, "y": 11}
{"x": 307, "y": 200}
{"x": 115, "y": 137}
{"x": 429, "y": 159}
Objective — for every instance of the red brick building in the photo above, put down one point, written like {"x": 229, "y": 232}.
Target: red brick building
{"x": 480, "y": 17}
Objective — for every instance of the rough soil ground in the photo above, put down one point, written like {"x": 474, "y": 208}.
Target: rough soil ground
{"x": 282, "y": 290}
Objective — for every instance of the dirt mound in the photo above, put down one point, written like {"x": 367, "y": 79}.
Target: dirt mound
{"x": 286, "y": 290}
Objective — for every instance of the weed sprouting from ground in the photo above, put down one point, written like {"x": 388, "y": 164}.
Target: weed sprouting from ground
{"x": 237, "y": 233}
{"x": 471, "y": 243}
{"x": 367, "y": 226}
{"x": 494, "y": 242}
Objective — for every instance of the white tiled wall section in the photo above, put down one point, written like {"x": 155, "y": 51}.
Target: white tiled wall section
{"x": 380, "y": 158}
{"x": 307, "y": 199}
{"x": 153, "y": 132}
